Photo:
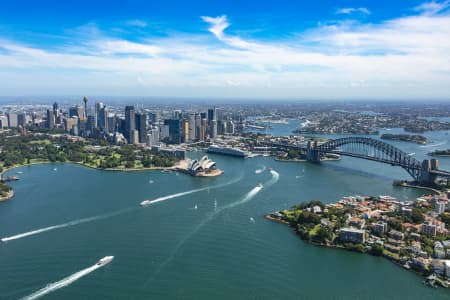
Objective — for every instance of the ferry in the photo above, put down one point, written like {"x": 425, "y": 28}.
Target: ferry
{"x": 105, "y": 260}
{"x": 145, "y": 202}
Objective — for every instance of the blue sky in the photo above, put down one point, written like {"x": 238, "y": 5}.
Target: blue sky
{"x": 240, "y": 49}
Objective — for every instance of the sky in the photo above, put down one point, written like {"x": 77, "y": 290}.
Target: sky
{"x": 284, "y": 49}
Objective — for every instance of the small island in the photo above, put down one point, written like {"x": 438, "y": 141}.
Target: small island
{"x": 6, "y": 192}
{"x": 412, "y": 234}
{"x": 414, "y": 138}
{"x": 440, "y": 153}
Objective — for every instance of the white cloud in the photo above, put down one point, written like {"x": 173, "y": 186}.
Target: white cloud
{"x": 433, "y": 7}
{"x": 219, "y": 24}
{"x": 125, "y": 47}
{"x": 399, "y": 58}
{"x": 137, "y": 23}
{"x": 351, "y": 10}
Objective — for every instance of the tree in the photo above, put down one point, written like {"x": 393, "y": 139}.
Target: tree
{"x": 417, "y": 216}
{"x": 376, "y": 250}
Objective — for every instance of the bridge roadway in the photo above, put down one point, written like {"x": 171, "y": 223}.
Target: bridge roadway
{"x": 425, "y": 172}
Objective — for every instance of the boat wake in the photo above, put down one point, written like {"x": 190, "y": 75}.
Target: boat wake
{"x": 434, "y": 145}
{"x": 164, "y": 198}
{"x": 259, "y": 171}
{"x": 62, "y": 283}
{"x": 246, "y": 198}
{"x": 68, "y": 224}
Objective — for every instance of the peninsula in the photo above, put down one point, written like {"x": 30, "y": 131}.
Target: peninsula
{"x": 440, "y": 153}
{"x": 412, "y": 233}
{"x": 414, "y": 138}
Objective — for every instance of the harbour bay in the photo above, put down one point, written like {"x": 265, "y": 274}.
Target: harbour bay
{"x": 227, "y": 256}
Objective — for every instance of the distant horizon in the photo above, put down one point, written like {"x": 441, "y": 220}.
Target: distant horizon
{"x": 49, "y": 99}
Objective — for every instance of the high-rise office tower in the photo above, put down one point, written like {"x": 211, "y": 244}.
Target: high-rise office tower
{"x": 212, "y": 114}
{"x": 154, "y": 117}
{"x": 85, "y": 100}
{"x": 174, "y": 130}
{"x": 21, "y": 119}
{"x": 185, "y": 130}
{"x": 55, "y": 109}
{"x": 212, "y": 122}
{"x": 141, "y": 126}
{"x": 73, "y": 112}
{"x": 213, "y": 129}
{"x": 191, "y": 123}
{"x": 101, "y": 117}
{"x": 204, "y": 125}
{"x": 198, "y": 124}
{"x": 130, "y": 122}
{"x": 50, "y": 119}
{"x": 112, "y": 124}
{"x": 90, "y": 127}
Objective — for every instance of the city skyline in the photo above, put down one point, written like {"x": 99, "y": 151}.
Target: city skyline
{"x": 326, "y": 50}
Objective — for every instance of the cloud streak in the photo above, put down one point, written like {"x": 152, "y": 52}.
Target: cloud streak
{"x": 351, "y": 10}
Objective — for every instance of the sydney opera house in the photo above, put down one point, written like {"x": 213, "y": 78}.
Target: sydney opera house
{"x": 204, "y": 165}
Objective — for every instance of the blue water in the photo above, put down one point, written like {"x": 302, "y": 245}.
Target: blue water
{"x": 170, "y": 250}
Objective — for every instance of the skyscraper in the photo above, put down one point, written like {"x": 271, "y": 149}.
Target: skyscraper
{"x": 212, "y": 122}
{"x": 154, "y": 117}
{"x": 174, "y": 130}
{"x": 50, "y": 119}
{"x": 90, "y": 125}
{"x": 55, "y": 109}
{"x": 21, "y": 119}
{"x": 212, "y": 114}
{"x": 85, "y": 100}
{"x": 192, "y": 134}
{"x": 141, "y": 126}
{"x": 101, "y": 116}
{"x": 130, "y": 122}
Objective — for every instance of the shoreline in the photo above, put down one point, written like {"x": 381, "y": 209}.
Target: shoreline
{"x": 90, "y": 167}
{"x": 7, "y": 197}
{"x": 304, "y": 160}
{"x": 426, "y": 188}
{"x": 340, "y": 247}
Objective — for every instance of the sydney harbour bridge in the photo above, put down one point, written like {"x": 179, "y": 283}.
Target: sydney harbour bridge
{"x": 424, "y": 172}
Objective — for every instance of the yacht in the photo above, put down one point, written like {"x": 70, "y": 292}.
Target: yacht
{"x": 145, "y": 202}
{"x": 105, "y": 260}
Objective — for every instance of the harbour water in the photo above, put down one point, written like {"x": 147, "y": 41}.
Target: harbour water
{"x": 222, "y": 249}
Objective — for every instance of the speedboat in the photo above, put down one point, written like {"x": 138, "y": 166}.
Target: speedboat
{"x": 260, "y": 185}
{"x": 105, "y": 260}
{"x": 145, "y": 202}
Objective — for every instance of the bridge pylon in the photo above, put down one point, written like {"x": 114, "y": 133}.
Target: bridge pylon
{"x": 426, "y": 177}
{"x": 312, "y": 152}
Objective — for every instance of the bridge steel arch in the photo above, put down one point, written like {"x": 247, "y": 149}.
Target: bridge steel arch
{"x": 383, "y": 152}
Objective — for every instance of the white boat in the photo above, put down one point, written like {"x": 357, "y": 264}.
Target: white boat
{"x": 259, "y": 171}
{"x": 145, "y": 202}
{"x": 260, "y": 185}
{"x": 105, "y": 260}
